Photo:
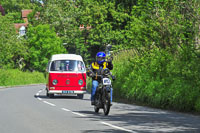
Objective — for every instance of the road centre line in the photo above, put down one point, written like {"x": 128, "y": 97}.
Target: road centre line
{"x": 49, "y": 103}
{"x": 65, "y": 109}
{"x": 78, "y": 114}
{"x": 40, "y": 91}
{"x": 39, "y": 98}
{"x": 120, "y": 128}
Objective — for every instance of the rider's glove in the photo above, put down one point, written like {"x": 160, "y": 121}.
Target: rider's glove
{"x": 91, "y": 75}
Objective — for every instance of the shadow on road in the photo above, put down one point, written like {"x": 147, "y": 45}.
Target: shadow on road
{"x": 140, "y": 119}
{"x": 107, "y": 131}
{"x": 57, "y": 97}
{"x": 144, "y": 120}
{"x": 61, "y": 97}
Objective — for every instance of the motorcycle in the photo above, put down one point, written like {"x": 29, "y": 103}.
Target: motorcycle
{"x": 102, "y": 94}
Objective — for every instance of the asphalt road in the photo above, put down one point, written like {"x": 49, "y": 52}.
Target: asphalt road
{"x": 26, "y": 109}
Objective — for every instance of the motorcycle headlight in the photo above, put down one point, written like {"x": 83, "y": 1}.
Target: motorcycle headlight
{"x": 54, "y": 82}
{"x": 80, "y": 82}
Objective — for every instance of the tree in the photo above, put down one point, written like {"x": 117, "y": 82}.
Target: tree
{"x": 13, "y": 49}
{"x": 65, "y": 17}
{"x": 13, "y": 8}
{"x": 17, "y": 5}
{"x": 43, "y": 43}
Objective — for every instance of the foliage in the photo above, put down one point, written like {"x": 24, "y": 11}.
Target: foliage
{"x": 106, "y": 19}
{"x": 12, "y": 77}
{"x": 89, "y": 84}
{"x": 17, "y": 5}
{"x": 162, "y": 70}
{"x": 15, "y": 17}
{"x": 43, "y": 43}
{"x": 13, "y": 49}
{"x": 159, "y": 78}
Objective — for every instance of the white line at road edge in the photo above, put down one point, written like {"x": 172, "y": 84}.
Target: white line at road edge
{"x": 120, "y": 128}
{"x": 49, "y": 103}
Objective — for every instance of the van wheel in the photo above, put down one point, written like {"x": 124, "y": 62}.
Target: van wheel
{"x": 51, "y": 95}
{"x": 80, "y": 96}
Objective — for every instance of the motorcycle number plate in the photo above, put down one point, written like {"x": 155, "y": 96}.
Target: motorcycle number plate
{"x": 106, "y": 81}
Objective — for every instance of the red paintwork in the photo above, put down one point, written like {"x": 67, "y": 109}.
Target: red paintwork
{"x": 63, "y": 77}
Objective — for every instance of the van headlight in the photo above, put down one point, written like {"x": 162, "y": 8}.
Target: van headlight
{"x": 80, "y": 82}
{"x": 54, "y": 82}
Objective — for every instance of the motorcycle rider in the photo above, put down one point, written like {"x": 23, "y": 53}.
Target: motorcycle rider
{"x": 96, "y": 68}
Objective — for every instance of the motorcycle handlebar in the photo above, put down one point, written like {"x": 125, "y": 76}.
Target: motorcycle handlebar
{"x": 93, "y": 74}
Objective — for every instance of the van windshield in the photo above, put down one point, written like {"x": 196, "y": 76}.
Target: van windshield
{"x": 67, "y": 65}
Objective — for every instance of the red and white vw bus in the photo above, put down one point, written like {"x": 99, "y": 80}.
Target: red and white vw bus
{"x": 66, "y": 75}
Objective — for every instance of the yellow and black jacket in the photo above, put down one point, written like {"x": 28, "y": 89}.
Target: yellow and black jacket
{"x": 96, "y": 68}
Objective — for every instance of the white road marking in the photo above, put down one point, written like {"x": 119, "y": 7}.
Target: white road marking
{"x": 49, "y": 103}
{"x": 65, "y": 109}
{"x": 39, "y": 98}
{"x": 37, "y": 94}
{"x": 120, "y": 128}
{"x": 73, "y": 112}
{"x": 79, "y": 114}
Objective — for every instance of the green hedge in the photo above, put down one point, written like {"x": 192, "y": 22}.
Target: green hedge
{"x": 12, "y": 77}
{"x": 89, "y": 84}
{"x": 159, "y": 78}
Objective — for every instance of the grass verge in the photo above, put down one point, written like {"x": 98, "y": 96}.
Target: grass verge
{"x": 13, "y": 77}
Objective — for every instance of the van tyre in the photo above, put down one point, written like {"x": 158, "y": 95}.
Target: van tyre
{"x": 80, "y": 96}
{"x": 51, "y": 95}
{"x": 96, "y": 109}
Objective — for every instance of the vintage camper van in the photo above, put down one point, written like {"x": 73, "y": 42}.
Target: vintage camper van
{"x": 66, "y": 74}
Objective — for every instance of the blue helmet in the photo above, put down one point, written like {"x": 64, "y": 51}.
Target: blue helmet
{"x": 101, "y": 57}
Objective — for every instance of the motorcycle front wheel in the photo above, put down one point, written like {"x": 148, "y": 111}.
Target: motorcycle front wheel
{"x": 106, "y": 103}
{"x": 96, "y": 109}
{"x": 96, "y": 106}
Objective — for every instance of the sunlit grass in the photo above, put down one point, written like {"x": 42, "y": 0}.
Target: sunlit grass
{"x": 12, "y": 77}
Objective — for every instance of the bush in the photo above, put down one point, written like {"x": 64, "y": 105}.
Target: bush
{"x": 159, "y": 78}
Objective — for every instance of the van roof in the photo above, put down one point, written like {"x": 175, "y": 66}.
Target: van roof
{"x": 66, "y": 56}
